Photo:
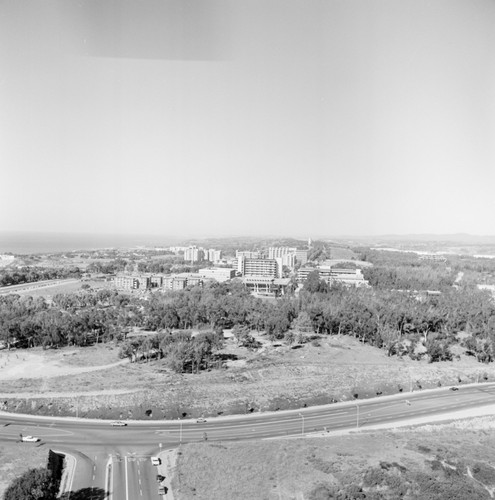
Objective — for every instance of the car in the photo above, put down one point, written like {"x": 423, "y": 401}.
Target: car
{"x": 119, "y": 424}
{"x": 156, "y": 461}
{"x": 30, "y": 439}
{"x": 201, "y": 420}
{"x": 160, "y": 478}
{"x": 454, "y": 388}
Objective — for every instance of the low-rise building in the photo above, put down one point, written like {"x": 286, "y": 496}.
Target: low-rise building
{"x": 218, "y": 273}
{"x": 332, "y": 275}
{"x": 266, "y": 285}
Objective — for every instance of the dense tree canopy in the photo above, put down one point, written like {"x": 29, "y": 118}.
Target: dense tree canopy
{"x": 400, "y": 321}
{"x": 35, "y": 484}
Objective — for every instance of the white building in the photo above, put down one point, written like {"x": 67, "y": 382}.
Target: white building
{"x": 217, "y": 273}
{"x": 193, "y": 254}
{"x": 214, "y": 255}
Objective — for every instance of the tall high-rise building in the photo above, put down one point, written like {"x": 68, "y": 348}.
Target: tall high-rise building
{"x": 193, "y": 254}
{"x": 302, "y": 256}
{"x": 214, "y": 255}
{"x": 274, "y": 252}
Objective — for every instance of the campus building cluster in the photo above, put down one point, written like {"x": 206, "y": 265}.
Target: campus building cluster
{"x": 263, "y": 272}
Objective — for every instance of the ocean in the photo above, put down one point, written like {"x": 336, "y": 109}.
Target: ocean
{"x": 32, "y": 243}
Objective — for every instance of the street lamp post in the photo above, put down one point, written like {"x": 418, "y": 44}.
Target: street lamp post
{"x": 302, "y": 429}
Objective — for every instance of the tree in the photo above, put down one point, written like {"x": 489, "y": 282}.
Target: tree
{"x": 303, "y": 323}
{"x": 313, "y": 283}
{"x": 35, "y": 484}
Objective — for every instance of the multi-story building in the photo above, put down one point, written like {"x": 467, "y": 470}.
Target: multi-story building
{"x": 177, "y": 250}
{"x": 193, "y": 254}
{"x": 301, "y": 256}
{"x": 214, "y": 255}
{"x": 289, "y": 260}
{"x": 218, "y": 273}
{"x": 266, "y": 285}
{"x": 132, "y": 282}
{"x": 275, "y": 252}
{"x": 181, "y": 281}
{"x": 248, "y": 254}
{"x": 258, "y": 267}
{"x": 333, "y": 275}
{"x": 156, "y": 281}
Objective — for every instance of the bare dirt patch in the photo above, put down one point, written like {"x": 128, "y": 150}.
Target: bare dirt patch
{"x": 38, "y": 363}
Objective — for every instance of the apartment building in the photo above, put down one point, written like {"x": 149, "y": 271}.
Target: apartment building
{"x": 132, "y": 282}
{"x": 214, "y": 255}
{"x": 194, "y": 254}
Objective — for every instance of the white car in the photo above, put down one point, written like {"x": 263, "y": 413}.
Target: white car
{"x": 119, "y": 424}
{"x": 30, "y": 439}
{"x": 201, "y": 420}
{"x": 156, "y": 461}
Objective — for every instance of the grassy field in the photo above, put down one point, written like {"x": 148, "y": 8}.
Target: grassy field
{"x": 454, "y": 462}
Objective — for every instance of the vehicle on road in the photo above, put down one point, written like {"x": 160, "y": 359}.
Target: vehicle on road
{"x": 156, "y": 461}
{"x": 454, "y": 388}
{"x": 119, "y": 423}
{"x": 201, "y": 420}
{"x": 162, "y": 490}
{"x": 30, "y": 439}
{"x": 159, "y": 478}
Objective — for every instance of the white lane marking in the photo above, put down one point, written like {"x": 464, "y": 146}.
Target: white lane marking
{"x": 126, "y": 481}
{"x": 109, "y": 477}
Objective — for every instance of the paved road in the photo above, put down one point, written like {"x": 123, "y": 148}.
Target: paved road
{"x": 128, "y": 449}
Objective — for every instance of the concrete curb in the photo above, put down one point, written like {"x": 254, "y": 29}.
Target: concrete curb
{"x": 68, "y": 473}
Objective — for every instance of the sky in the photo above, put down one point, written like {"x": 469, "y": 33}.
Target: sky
{"x": 266, "y": 117}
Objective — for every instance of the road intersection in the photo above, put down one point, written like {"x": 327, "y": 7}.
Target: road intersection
{"x": 117, "y": 459}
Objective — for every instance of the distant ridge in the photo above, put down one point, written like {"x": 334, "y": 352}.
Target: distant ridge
{"x": 427, "y": 237}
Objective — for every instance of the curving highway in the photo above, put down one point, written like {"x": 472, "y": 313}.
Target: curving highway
{"x": 117, "y": 459}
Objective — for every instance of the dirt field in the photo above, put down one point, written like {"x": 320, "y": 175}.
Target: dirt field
{"x": 276, "y": 377}
{"x": 453, "y": 461}
{"x": 48, "y": 290}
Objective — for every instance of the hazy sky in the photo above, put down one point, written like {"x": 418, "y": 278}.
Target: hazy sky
{"x": 227, "y": 117}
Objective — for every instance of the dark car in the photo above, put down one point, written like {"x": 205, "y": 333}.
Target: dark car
{"x": 159, "y": 478}
{"x": 454, "y": 388}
